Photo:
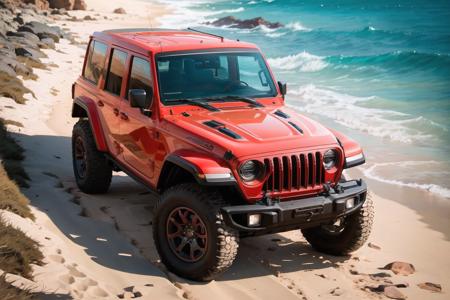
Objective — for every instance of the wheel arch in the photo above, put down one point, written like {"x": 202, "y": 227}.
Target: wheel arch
{"x": 84, "y": 107}
{"x": 188, "y": 166}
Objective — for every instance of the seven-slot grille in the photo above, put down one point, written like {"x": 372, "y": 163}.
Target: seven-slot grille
{"x": 294, "y": 172}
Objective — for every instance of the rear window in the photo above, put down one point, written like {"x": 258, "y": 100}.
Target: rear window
{"x": 116, "y": 71}
{"x": 95, "y": 61}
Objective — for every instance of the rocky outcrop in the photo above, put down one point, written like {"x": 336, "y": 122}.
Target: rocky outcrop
{"x": 42, "y": 30}
{"x": 66, "y": 4}
{"x": 119, "y": 10}
{"x": 23, "y": 33}
{"x": 233, "y": 22}
{"x": 80, "y": 5}
{"x": 39, "y": 4}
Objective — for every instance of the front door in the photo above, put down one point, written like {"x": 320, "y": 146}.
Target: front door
{"x": 137, "y": 132}
{"x": 111, "y": 98}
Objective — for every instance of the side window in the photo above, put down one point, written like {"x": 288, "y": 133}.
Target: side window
{"x": 140, "y": 76}
{"x": 95, "y": 61}
{"x": 116, "y": 71}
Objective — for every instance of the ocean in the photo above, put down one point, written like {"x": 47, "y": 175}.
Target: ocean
{"x": 378, "y": 71}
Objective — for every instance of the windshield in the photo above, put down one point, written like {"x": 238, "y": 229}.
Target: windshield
{"x": 209, "y": 75}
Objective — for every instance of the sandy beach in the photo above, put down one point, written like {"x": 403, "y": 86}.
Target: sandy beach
{"x": 101, "y": 247}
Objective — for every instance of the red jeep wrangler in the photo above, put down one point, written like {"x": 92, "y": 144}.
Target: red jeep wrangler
{"x": 201, "y": 120}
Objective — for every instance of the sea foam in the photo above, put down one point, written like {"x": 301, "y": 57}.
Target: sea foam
{"x": 302, "y": 61}
{"x": 436, "y": 189}
{"x": 344, "y": 109}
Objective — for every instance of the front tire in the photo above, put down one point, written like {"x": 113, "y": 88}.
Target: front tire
{"x": 92, "y": 170}
{"x": 346, "y": 237}
{"x": 190, "y": 235}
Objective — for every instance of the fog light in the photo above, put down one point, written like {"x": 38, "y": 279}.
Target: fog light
{"x": 254, "y": 220}
{"x": 350, "y": 203}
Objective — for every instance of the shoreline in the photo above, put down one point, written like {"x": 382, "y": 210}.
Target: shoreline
{"x": 107, "y": 237}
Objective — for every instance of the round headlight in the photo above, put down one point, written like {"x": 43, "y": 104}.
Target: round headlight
{"x": 329, "y": 159}
{"x": 250, "y": 170}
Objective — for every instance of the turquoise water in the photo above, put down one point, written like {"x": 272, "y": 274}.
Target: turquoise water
{"x": 379, "y": 71}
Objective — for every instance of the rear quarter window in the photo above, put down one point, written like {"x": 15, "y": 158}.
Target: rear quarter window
{"x": 95, "y": 61}
{"x": 116, "y": 72}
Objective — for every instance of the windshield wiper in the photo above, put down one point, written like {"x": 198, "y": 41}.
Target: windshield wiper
{"x": 238, "y": 98}
{"x": 197, "y": 103}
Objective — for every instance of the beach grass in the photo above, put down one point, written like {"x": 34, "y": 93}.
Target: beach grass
{"x": 12, "y": 154}
{"x": 10, "y": 292}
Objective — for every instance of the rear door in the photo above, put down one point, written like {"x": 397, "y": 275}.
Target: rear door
{"x": 137, "y": 130}
{"x": 112, "y": 96}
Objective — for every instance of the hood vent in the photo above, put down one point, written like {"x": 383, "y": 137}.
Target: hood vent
{"x": 281, "y": 114}
{"x": 296, "y": 127}
{"x": 221, "y": 127}
{"x": 213, "y": 124}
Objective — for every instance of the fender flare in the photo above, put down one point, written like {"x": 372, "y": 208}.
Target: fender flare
{"x": 353, "y": 152}
{"x": 205, "y": 169}
{"x": 89, "y": 107}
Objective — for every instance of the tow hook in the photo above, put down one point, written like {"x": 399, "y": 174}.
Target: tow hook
{"x": 338, "y": 189}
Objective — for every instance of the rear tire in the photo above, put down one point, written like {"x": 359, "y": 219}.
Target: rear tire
{"x": 215, "y": 244}
{"x": 353, "y": 234}
{"x": 92, "y": 170}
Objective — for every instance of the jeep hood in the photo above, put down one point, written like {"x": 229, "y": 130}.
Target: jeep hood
{"x": 263, "y": 129}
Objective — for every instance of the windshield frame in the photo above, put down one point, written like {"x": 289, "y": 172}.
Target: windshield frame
{"x": 172, "y": 102}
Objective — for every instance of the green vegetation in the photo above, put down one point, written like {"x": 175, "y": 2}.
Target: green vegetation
{"x": 11, "y": 154}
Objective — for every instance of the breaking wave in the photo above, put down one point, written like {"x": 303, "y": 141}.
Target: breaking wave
{"x": 303, "y": 61}
{"x": 373, "y": 173}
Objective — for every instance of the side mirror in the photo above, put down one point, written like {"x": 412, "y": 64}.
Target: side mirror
{"x": 139, "y": 98}
{"x": 283, "y": 88}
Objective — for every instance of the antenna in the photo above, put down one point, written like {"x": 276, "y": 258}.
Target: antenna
{"x": 207, "y": 33}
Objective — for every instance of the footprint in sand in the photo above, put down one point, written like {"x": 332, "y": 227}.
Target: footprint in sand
{"x": 57, "y": 258}
{"x": 80, "y": 286}
{"x": 98, "y": 292}
{"x": 68, "y": 279}
{"x": 74, "y": 272}
{"x": 89, "y": 282}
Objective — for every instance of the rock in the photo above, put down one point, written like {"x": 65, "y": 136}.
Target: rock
{"x": 244, "y": 24}
{"x": 434, "y": 287}
{"x": 39, "y": 4}
{"x": 19, "y": 42}
{"x": 66, "y": 4}
{"x": 336, "y": 291}
{"x": 80, "y": 5}
{"x": 24, "y": 34}
{"x": 19, "y": 19}
{"x": 59, "y": 11}
{"x": 393, "y": 293}
{"x": 373, "y": 246}
{"x": 29, "y": 52}
{"x": 379, "y": 275}
{"x": 88, "y": 18}
{"x": 42, "y": 30}
{"x": 7, "y": 70}
{"x": 119, "y": 10}
{"x": 47, "y": 43}
{"x": 11, "y": 86}
{"x": 400, "y": 268}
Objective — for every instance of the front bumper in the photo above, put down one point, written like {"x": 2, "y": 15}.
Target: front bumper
{"x": 302, "y": 213}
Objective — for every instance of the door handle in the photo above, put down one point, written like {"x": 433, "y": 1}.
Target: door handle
{"x": 123, "y": 116}
{"x": 116, "y": 111}
{"x": 100, "y": 103}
